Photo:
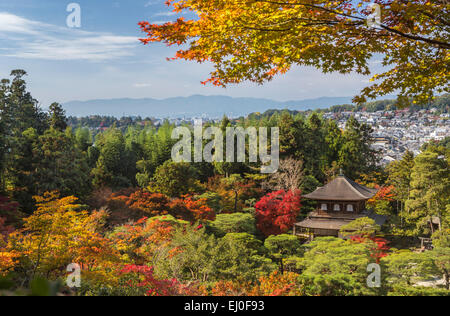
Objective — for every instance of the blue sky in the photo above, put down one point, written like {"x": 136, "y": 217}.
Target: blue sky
{"x": 104, "y": 59}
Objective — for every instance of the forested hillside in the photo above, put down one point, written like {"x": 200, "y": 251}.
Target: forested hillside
{"x": 440, "y": 103}
{"x": 140, "y": 224}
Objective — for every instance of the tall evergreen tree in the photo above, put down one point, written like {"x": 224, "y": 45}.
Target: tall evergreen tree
{"x": 400, "y": 178}
{"x": 113, "y": 164}
{"x": 22, "y": 121}
{"x": 292, "y": 136}
{"x": 356, "y": 155}
{"x": 57, "y": 119}
{"x": 21, "y": 173}
{"x": 59, "y": 165}
{"x": 429, "y": 194}
{"x": 334, "y": 141}
{"x": 315, "y": 152}
{"x": 228, "y": 168}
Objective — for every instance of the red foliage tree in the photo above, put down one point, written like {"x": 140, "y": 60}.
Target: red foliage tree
{"x": 379, "y": 251}
{"x": 142, "y": 277}
{"x": 145, "y": 280}
{"x": 277, "y": 211}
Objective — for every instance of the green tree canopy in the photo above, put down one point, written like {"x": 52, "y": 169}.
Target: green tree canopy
{"x": 429, "y": 192}
{"x": 333, "y": 266}
{"x": 364, "y": 226}
{"x": 175, "y": 179}
{"x": 234, "y": 223}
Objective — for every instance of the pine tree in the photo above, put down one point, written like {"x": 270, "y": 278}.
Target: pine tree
{"x": 60, "y": 166}
{"x": 290, "y": 136}
{"x": 315, "y": 151}
{"x": 429, "y": 193}
{"x": 57, "y": 120}
{"x": 22, "y": 121}
{"x": 400, "y": 178}
{"x": 113, "y": 165}
{"x": 356, "y": 155}
{"x": 334, "y": 141}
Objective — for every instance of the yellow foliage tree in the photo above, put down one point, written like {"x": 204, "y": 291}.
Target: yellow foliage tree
{"x": 58, "y": 234}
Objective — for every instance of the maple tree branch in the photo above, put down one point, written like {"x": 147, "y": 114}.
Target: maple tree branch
{"x": 312, "y": 6}
{"x": 441, "y": 44}
{"x": 417, "y": 38}
{"x": 436, "y": 18}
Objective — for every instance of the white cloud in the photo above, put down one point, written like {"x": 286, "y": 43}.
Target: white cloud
{"x": 150, "y": 3}
{"x": 169, "y": 13}
{"x": 142, "y": 85}
{"x": 37, "y": 40}
{"x": 10, "y": 23}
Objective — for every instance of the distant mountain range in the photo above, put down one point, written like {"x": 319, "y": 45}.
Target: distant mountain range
{"x": 196, "y": 105}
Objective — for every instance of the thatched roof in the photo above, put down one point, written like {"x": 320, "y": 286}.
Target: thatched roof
{"x": 342, "y": 189}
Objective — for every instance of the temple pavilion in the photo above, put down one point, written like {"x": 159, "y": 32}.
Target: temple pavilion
{"x": 338, "y": 203}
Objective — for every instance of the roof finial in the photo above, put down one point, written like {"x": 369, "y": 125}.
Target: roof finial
{"x": 341, "y": 173}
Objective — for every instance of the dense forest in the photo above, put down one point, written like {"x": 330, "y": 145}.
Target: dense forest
{"x": 113, "y": 201}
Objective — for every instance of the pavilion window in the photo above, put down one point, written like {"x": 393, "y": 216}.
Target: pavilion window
{"x": 350, "y": 208}
{"x": 324, "y": 207}
{"x": 337, "y": 208}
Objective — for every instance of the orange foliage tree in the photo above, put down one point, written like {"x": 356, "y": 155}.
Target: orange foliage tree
{"x": 138, "y": 242}
{"x": 187, "y": 207}
{"x": 5, "y": 230}
{"x": 234, "y": 192}
{"x": 153, "y": 204}
{"x": 191, "y": 209}
{"x": 385, "y": 193}
{"x": 7, "y": 259}
{"x": 382, "y": 201}
{"x": 230, "y": 288}
{"x": 275, "y": 284}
